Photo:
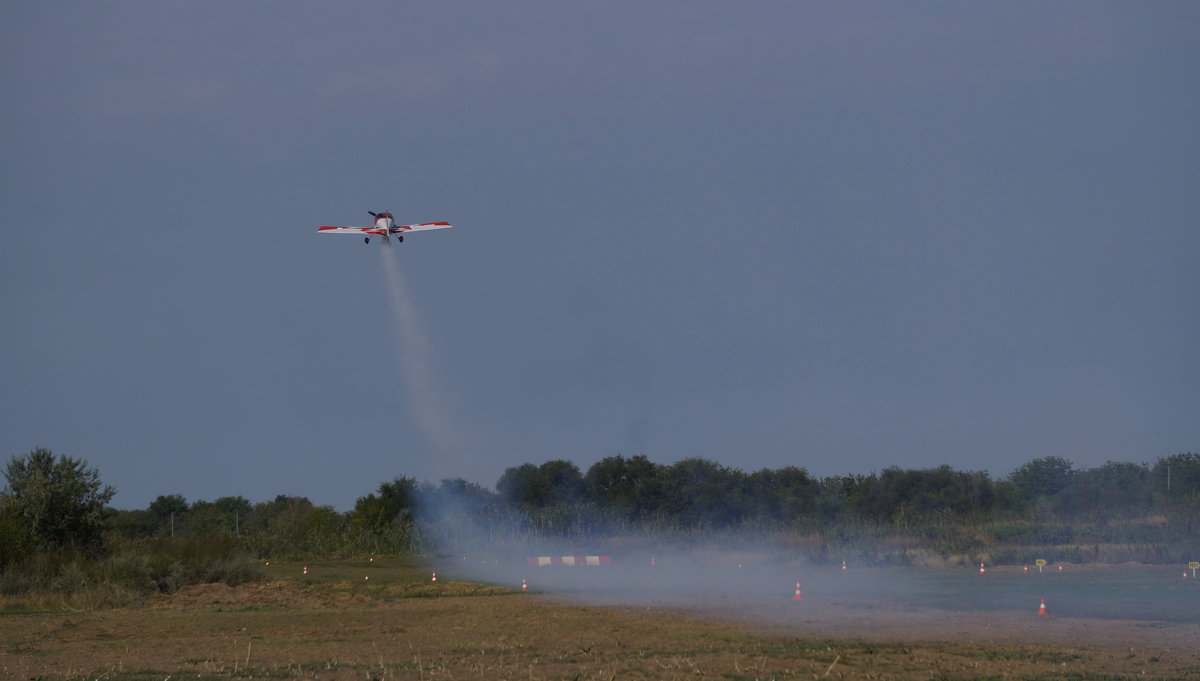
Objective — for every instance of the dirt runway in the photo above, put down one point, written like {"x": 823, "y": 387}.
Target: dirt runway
{"x": 287, "y": 629}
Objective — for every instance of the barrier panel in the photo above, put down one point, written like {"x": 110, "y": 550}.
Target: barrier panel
{"x": 569, "y": 560}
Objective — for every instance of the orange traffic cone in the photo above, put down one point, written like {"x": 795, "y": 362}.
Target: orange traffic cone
{"x": 305, "y": 572}
{"x": 1042, "y": 608}
{"x": 524, "y": 585}
{"x": 843, "y": 566}
{"x": 1026, "y": 569}
{"x": 982, "y": 569}
{"x": 435, "y": 578}
{"x": 799, "y": 596}
{"x": 1060, "y": 567}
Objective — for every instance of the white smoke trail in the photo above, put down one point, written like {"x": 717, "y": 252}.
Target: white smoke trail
{"x": 427, "y": 405}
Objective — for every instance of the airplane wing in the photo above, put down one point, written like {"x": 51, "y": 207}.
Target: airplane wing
{"x": 350, "y": 230}
{"x": 421, "y": 227}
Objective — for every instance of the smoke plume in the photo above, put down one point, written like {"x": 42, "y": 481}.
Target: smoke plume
{"x": 427, "y": 405}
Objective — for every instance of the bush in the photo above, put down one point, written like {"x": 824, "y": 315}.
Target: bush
{"x": 169, "y": 564}
{"x": 14, "y": 537}
{"x": 129, "y": 573}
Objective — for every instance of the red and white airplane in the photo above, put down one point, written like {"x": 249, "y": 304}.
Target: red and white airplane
{"x": 384, "y": 226}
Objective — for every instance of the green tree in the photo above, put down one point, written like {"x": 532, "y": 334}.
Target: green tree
{"x": 1043, "y": 477}
{"x": 699, "y": 492}
{"x": 169, "y": 512}
{"x": 126, "y": 524}
{"x": 834, "y": 494}
{"x": 394, "y": 505}
{"x": 165, "y": 504}
{"x": 1114, "y": 489}
{"x": 223, "y": 516}
{"x": 553, "y": 483}
{"x": 516, "y": 483}
{"x": 291, "y": 526}
{"x": 559, "y": 482}
{"x": 57, "y": 502}
{"x": 784, "y": 494}
{"x": 1177, "y": 476}
{"x": 1176, "y": 489}
{"x": 453, "y": 497}
{"x": 629, "y": 487}
{"x": 904, "y": 496}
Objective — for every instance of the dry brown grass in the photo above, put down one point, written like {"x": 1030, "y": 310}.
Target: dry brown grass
{"x": 342, "y": 630}
{"x": 95, "y": 598}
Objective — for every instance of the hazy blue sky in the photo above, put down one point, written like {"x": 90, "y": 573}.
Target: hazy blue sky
{"x": 835, "y": 235}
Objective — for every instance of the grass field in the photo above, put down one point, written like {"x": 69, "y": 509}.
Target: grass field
{"x": 680, "y": 621}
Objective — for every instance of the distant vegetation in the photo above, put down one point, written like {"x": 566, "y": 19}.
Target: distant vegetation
{"x": 59, "y": 537}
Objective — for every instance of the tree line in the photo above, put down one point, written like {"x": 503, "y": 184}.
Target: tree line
{"x": 699, "y": 492}
{"x": 59, "y": 504}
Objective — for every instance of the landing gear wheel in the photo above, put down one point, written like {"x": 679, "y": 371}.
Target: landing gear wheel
{"x": 366, "y": 239}
{"x": 400, "y": 239}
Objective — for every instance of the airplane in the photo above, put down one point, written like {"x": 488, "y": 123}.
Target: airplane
{"x": 384, "y": 226}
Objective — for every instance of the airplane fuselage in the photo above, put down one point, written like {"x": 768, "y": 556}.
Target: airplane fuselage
{"x": 386, "y": 226}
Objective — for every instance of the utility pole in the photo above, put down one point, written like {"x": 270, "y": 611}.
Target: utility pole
{"x": 172, "y": 524}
